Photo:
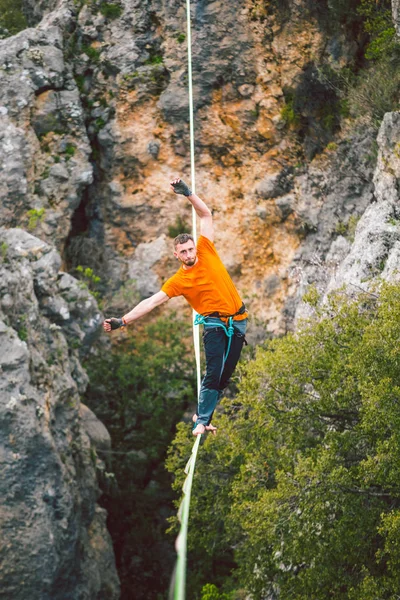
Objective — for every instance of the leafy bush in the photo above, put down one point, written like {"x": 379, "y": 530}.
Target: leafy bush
{"x": 3, "y": 251}
{"x": 210, "y": 592}
{"x": 288, "y": 113}
{"x": 92, "y": 52}
{"x": 89, "y": 280}
{"x": 140, "y": 390}
{"x": 70, "y": 150}
{"x": 155, "y": 59}
{"x": 376, "y": 91}
{"x": 303, "y": 478}
{"x": 12, "y": 17}
{"x": 111, "y": 10}
{"x": 180, "y": 226}
{"x": 378, "y": 23}
{"x": 36, "y": 216}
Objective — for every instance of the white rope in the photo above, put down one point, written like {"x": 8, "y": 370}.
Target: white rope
{"x": 191, "y": 112}
{"x": 196, "y": 332}
{"x": 179, "y": 588}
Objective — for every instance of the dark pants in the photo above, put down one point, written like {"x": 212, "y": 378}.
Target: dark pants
{"x": 218, "y": 372}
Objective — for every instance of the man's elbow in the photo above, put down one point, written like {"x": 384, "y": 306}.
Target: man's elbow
{"x": 157, "y": 299}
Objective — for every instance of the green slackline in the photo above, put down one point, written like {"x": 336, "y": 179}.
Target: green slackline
{"x": 183, "y": 516}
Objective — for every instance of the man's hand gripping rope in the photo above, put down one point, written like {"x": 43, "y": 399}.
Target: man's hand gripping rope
{"x": 180, "y": 187}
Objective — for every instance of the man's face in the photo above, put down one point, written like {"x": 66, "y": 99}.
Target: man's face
{"x": 186, "y": 253}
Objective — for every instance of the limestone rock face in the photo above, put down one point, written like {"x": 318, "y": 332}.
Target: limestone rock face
{"x": 146, "y": 255}
{"x": 375, "y": 251}
{"x": 36, "y": 9}
{"x": 132, "y": 74}
{"x": 330, "y": 199}
{"x": 356, "y": 258}
{"x": 97, "y": 123}
{"x": 44, "y": 147}
{"x": 396, "y": 15}
{"x": 55, "y": 544}
{"x": 93, "y": 124}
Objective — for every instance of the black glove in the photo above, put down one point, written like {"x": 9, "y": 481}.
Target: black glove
{"x": 180, "y": 187}
{"x": 115, "y": 323}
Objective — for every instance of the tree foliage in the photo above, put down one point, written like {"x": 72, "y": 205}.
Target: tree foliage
{"x": 12, "y": 17}
{"x": 375, "y": 89}
{"x": 140, "y": 390}
{"x": 378, "y": 24}
{"x": 300, "y": 489}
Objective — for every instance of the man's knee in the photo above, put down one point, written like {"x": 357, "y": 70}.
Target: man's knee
{"x": 213, "y": 373}
{"x": 211, "y": 381}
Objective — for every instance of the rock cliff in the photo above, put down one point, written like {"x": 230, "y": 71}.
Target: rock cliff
{"x": 93, "y": 123}
{"x": 95, "y": 111}
{"x": 54, "y": 538}
{"x": 375, "y": 251}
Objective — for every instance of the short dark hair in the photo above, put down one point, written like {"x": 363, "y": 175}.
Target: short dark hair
{"x": 182, "y": 238}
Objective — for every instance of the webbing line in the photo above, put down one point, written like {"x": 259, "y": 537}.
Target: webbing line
{"x": 183, "y": 516}
{"x": 179, "y": 582}
{"x": 196, "y": 333}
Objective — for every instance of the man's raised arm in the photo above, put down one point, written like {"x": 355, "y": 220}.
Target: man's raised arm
{"x": 201, "y": 208}
{"x": 144, "y": 307}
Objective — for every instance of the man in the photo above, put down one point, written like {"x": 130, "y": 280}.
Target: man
{"x": 205, "y": 283}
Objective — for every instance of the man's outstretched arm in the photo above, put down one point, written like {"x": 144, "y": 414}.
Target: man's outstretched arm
{"x": 144, "y": 307}
{"x": 201, "y": 208}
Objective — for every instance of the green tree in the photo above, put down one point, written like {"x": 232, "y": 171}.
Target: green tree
{"x": 378, "y": 24}
{"x": 301, "y": 485}
{"x": 12, "y": 17}
{"x": 210, "y": 592}
{"x": 140, "y": 391}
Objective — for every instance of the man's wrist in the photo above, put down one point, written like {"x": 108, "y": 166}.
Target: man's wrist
{"x": 124, "y": 322}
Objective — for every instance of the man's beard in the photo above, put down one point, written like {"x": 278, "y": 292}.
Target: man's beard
{"x": 190, "y": 262}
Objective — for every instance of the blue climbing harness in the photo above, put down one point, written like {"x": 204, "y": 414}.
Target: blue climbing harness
{"x": 228, "y": 329}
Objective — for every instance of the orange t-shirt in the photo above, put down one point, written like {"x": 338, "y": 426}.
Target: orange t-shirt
{"x": 207, "y": 285}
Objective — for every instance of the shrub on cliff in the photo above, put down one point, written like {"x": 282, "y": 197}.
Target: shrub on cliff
{"x": 12, "y": 17}
{"x": 376, "y": 91}
{"x": 301, "y": 486}
{"x": 140, "y": 390}
{"x": 377, "y": 87}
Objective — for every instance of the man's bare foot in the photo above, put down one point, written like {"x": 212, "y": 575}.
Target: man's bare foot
{"x": 199, "y": 429}
{"x": 212, "y": 429}
{"x": 209, "y": 427}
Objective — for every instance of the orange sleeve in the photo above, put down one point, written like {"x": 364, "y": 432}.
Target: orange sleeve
{"x": 171, "y": 287}
{"x": 205, "y": 245}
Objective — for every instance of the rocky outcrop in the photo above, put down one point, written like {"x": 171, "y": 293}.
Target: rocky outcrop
{"x": 44, "y": 148}
{"x": 36, "y": 9}
{"x": 98, "y": 122}
{"x": 396, "y": 15}
{"x": 93, "y": 122}
{"x": 375, "y": 251}
{"x": 249, "y": 75}
{"x": 366, "y": 249}
{"x": 55, "y": 544}
{"x": 330, "y": 199}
